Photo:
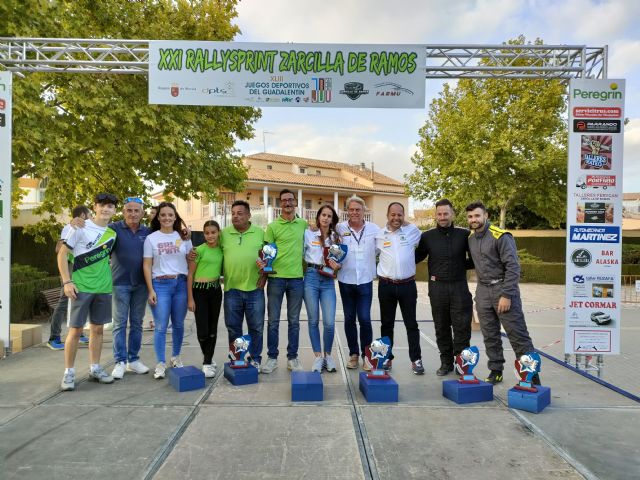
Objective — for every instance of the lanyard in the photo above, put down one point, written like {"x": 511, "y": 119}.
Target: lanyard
{"x": 353, "y": 234}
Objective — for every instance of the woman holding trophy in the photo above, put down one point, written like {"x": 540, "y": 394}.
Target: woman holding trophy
{"x": 323, "y": 252}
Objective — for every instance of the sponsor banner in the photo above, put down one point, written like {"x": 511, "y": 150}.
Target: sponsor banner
{"x": 5, "y": 201}
{"x": 594, "y": 234}
{"x": 601, "y": 126}
{"x": 594, "y": 215}
{"x": 286, "y": 75}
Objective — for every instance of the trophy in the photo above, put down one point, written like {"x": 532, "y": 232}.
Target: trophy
{"x": 239, "y": 352}
{"x": 335, "y": 252}
{"x": 526, "y": 368}
{"x": 466, "y": 362}
{"x": 269, "y": 253}
{"x": 376, "y": 357}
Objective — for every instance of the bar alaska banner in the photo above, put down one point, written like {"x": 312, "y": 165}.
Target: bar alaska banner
{"x": 286, "y": 75}
{"x": 594, "y": 216}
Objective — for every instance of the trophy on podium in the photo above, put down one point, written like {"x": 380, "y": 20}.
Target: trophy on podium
{"x": 466, "y": 361}
{"x": 268, "y": 253}
{"x": 376, "y": 357}
{"x": 335, "y": 252}
{"x": 526, "y": 368}
{"x": 239, "y": 352}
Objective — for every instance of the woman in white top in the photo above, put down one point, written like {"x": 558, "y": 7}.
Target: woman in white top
{"x": 165, "y": 272}
{"x": 319, "y": 289}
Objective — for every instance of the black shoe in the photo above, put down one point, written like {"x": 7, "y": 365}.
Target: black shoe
{"x": 536, "y": 380}
{"x": 444, "y": 369}
{"x": 494, "y": 377}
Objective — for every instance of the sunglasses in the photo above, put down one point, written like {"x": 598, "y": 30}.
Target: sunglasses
{"x": 134, "y": 199}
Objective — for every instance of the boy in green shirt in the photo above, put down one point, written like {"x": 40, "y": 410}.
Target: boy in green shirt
{"x": 89, "y": 286}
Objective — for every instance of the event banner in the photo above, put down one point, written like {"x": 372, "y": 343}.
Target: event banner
{"x": 594, "y": 217}
{"x": 5, "y": 202}
{"x": 286, "y": 74}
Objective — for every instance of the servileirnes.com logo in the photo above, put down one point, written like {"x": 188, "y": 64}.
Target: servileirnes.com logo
{"x": 354, "y": 90}
{"x": 581, "y": 257}
{"x": 612, "y": 93}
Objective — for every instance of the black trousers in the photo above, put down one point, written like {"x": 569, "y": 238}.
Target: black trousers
{"x": 208, "y": 302}
{"x": 406, "y": 295}
{"x": 452, "y": 310}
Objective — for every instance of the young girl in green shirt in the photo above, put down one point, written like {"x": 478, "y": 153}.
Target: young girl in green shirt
{"x": 205, "y": 294}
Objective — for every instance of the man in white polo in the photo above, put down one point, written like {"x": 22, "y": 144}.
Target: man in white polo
{"x": 396, "y": 244}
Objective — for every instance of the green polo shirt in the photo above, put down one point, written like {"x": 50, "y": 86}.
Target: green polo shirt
{"x": 240, "y": 251}
{"x": 288, "y": 235}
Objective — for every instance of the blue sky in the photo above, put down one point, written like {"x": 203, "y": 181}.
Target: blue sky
{"x": 388, "y": 137}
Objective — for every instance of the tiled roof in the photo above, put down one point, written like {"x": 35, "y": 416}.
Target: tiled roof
{"x": 631, "y": 196}
{"x": 274, "y": 176}
{"x": 310, "y": 162}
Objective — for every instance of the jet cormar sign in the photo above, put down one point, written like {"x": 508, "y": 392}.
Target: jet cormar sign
{"x": 594, "y": 234}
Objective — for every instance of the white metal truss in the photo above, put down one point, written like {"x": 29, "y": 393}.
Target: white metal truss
{"x": 443, "y": 61}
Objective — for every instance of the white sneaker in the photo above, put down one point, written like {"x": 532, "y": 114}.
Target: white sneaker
{"x": 256, "y": 365}
{"x": 161, "y": 368}
{"x": 118, "y": 371}
{"x": 137, "y": 367}
{"x": 295, "y": 366}
{"x": 176, "y": 362}
{"x": 209, "y": 371}
{"x": 100, "y": 376}
{"x": 318, "y": 364}
{"x": 270, "y": 366}
{"x": 329, "y": 364}
{"x": 68, "y": 382}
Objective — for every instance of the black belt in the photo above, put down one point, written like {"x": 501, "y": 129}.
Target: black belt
{"x": 491, "y": 283}
{"x": 397, "y": 282}
{"x": 434, "y": 278}
{"x": 315, "y": 265}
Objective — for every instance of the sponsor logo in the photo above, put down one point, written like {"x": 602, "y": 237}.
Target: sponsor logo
{"x": 595, "y": 152}
{"x": 390, "y": 89}
{"x": 595, "y": 234}
{"x": 3, "y": 119}
{"x": 602, "y": 95}
{"x": 354, "y": 90}
{"x": 321, "y": 90}
{"x": 175, "y": 90}
{"x": 578, "y": 279}
{"x": 597, "y": 112}
{"x": 596, "y": 181}
{"x": 581, "y": 257}
{"x": 3, "y": 104}
{"x": 225, "y": 90}
{"x": 601, "y": 126}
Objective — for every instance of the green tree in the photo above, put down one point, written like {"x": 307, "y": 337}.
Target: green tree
{"x": 500, "y": 141}
{"x": 87, "y": 133}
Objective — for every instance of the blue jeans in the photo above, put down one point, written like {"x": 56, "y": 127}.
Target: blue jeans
{"x": 356, "y": 300}
{"x": 237, "y": 305}
{"x": 320, "y": 293}
{"x": 276, "y": 290}
{"x": 172, "y": 302}
{"x": 129, "y": 303}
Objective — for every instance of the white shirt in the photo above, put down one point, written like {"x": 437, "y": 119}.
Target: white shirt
{"x": 397, "y": 252}
{"x": 313, "y": 251}
{"x": 169, "y": 253}
{"x": 359, "y": 266}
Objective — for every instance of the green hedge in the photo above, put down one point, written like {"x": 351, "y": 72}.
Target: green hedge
{"x": 26, "y": 299}
{"x": 25, "y": 250}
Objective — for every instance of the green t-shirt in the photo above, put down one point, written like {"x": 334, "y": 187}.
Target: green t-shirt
{"x": 208, "y": 261}
{"x": 91, "y": 247}
{"x": 288, "y": 235}
{"x": 240, "y": 252}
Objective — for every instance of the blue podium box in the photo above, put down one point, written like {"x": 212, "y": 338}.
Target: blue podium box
{"x": 241, "y": 376}
{"x": 186, "y": 378}
{"x": 306, "y": 387}
{"x": 533, "y": 402}
{"x": 467, "y": 392}
{"x": 377, "y": 390}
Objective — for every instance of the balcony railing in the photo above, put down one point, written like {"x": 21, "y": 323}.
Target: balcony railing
{"x": 261, "y": 217}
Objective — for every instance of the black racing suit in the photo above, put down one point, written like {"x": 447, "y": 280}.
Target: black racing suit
{"x": 451, "y": 302}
